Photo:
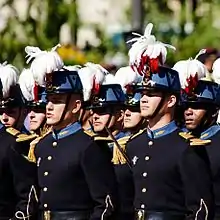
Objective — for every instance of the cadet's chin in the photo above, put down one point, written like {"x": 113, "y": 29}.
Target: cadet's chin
{"x": 51, "y": 121}
{"x": 145, "y": 114}
{"x": 190, "y": 126}
{"x": 129, "y": 125}
{"x": 34, "y": 127}
{"x": 98, "y": 128}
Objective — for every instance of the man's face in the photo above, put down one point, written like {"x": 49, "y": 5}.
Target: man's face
{"x": 36, "y": 118}
{"x": 132, "y": 117}
{"x": 193, "y": 117}
{"x": 149, "y": 103}
{"x": 55, "y": 107}
{"x": 10, "y": 116}
{"x": 101, "y": 118}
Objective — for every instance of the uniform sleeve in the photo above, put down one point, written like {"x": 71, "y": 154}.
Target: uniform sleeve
{"x": 100, "y": 177}
{"x": 25, "y": 179}
{"x": 197, "y": 182}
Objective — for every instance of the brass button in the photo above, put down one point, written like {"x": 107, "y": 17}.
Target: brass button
{"x": 54, "y": 144}
{"x": 49, "y": 157}
{"x": 45, "y": 189}
{"x": 150, "y": 143}
{"x": 45, "y": 205}
{"x": 142, "y": 206}
{"x": 144, "y": 174}
{"x": 144, "y": 190}
{"x": 147, "y": 158}
{"x": 46, "y": 173}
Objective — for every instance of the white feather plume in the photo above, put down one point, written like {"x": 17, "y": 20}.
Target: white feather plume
{"x": 126, "y": 76}
{"x": 109, "y": 79}
{"x": 26, "y": 82}
{"x": 9, "y": 77}
{"x": 189, "y": 68}
{"x": 147, "y": 45}
{"x": 216, "y": 71}
{"x": 43, "y": 62}
{"x": 89, "y": 74}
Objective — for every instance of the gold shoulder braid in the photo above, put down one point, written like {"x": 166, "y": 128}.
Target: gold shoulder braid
{"x": 193, "y": 141}
{"x": 90, "y": 133}
{"x": 99, "y": 138}
{"x": 26, "y": 137}
{"x": 137, "y": 134}
{"x": 13, "y": 131}
{"x": 31, "y": 155}
{"x": 118, "y": 158}
{"x": 199, "y": 142}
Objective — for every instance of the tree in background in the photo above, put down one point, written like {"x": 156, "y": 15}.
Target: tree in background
{"x": 37, "y": 24}
{"x": 189, "y": 25}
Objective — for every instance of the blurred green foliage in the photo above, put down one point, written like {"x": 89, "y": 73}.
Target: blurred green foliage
{"x": 41, "y": 28}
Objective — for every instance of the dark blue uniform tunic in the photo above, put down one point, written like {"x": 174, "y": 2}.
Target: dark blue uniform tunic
{"x": 171, "y": 178}
{"x": 75, "y": 175}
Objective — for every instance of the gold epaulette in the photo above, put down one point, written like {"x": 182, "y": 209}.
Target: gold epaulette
{"x": 137, "y": 134}
{"x": 99, "y": 138}
{"x": 186, "y": 135}
{"x": 193, "y": 141}
{"x": 90, "y": 133}
{"x": 13, "y": 131}
{"x": 26, "y": 137}
{"x": 31, "y": 154}
{"x": 118, "y": 157}
{"x": 199, "y": 142}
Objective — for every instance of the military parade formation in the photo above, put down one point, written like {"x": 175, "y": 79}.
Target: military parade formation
{"x": 139, "y": 144}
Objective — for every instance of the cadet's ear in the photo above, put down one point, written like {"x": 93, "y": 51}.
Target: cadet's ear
{"x": 77, "y": 103}
{"x": 121, "y": 115}
{"x": 171, "y": 101}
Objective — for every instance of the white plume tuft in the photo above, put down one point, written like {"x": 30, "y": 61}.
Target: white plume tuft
{"x": 216, "y": 71}
{"x": 9, "y": 77}
{"x": 190, "y": 70}
{"x": 92, "y": 76}
{"x": 147, "y": 45}
{"x": 109, "y": 79}
{"x": 43, "y": 62}
{"x": 26, "y": 82}
{"x": 126, "y": 76}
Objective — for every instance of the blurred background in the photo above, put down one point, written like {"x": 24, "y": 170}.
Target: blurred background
{"x": 97, "y": 30}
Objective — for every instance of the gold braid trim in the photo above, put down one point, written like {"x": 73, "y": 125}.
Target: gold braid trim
{"x": 118, "y": 157}
{"x": 194, "y": 141}
{"x": 26, "y": 137}
{"x": 13, "y": 131}
{"x": 31, "y": 154}
{"x": 137, "y": 134}
{"x": 90, "y": 133}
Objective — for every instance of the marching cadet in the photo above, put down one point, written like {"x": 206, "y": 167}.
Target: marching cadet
{"x": 201, "y": 104}
{"x": 107, "y": 109}
{"x": 133, "y": 122}
{"x": 75, "y": 177}
{"x": 92, "y": 76}
{"x": 13, "y": 198}
{"x": 171, "y": 179}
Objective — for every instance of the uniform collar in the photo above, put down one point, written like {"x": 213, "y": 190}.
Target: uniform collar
{"x": 167, "y": 129}
{"x": 70, "y": 129}
{"x": 210, "y": 132}
{"x": 121, "y": 134}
